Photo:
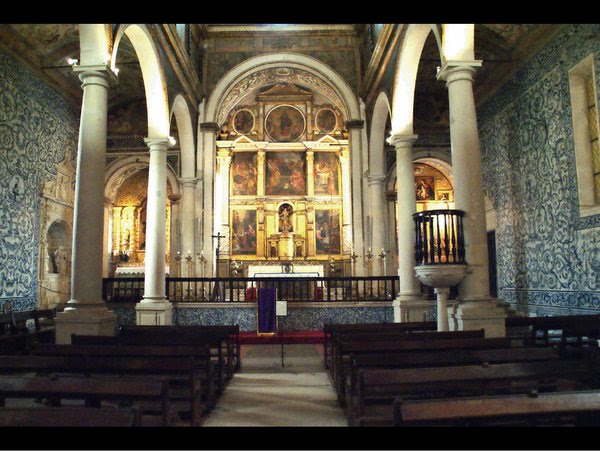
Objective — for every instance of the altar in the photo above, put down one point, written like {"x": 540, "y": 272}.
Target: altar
{"x": 285, "y": 270}
{"x": 288, "y": 289}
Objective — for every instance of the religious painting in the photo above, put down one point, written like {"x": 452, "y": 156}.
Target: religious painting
{"x": 444, "y": 195}
{"x": 326, "y": 173}
{"x": 243, "y": 122}
{"x": 285, "y": 173}
{"x": 327, "y": 229}
{"x": 326, "y": 120}
{"x": 243, "y": 232}
{"x": 424, "y": 187}
{"x": 285, "y": 123}
{"x": 244, "y": 174}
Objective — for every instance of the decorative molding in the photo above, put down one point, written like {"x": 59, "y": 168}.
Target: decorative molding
{"x": 271, "y": 76}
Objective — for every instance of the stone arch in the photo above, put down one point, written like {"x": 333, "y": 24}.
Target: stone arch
{"x": 152, "y": 73}
{"x": 181, "y": 112}
{"x": 406, "y": 74}
{"x": 119, "y": 170}
{"x": 324, "y": 74}
{"x": 381, "y": 113}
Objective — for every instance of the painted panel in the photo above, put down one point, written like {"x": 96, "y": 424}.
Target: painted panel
{"x": 244, "y": 174}
{"x": 327, "y": 230}
{"x": 243, "y": 235}
{"x": 285, "y": 173}
{"x": 326, "y": 173}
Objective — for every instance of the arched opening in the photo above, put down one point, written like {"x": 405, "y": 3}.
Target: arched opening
{"x": 126, "y": 191}
{"x": 283, "y": 139}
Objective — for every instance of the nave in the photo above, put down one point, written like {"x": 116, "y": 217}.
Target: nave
{"x": 265, "y": 393}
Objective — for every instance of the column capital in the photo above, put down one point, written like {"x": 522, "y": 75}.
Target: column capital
{"x": 209, "y": 127}
{"x": 458, "y": 70}
{"x": 355, "y": 123}
{"x": 98, "y": 74}
{"x": 174, "y": 198}
{"x": 189, "y": 182}
{"x": 400, "y": 140}
{"x": 161, "y": 144}
{"x": 376, "y": 179}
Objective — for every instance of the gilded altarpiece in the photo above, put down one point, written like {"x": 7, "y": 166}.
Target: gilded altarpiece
{"x": 286, "y": 188}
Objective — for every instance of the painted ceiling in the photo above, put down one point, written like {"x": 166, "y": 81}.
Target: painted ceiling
{"x": 502, "y": 47}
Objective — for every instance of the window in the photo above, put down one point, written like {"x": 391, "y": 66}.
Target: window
{"x": 582, "y": 85}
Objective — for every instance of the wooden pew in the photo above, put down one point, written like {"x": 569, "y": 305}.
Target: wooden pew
{"x": 563, "y": 329}
{"x": 576, "y": 408}
{"x": 92, "y": 391}
{"x": 331, "y": 329}
{"x": 41, "y": 417}
{"x": 177, "y": 371}
{"x": 447, "y": 357}
{"x": 17, "y": 338}
{"x": 377, "y": 388}
{"x": 221, "y": 339}
{"x": 200, "y": 353}
{"x": 344, "y": 345}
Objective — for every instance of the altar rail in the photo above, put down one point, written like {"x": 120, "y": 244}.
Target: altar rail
{"x": 296, "y": 289}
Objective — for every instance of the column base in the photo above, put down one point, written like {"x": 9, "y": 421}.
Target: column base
{"x": 84, "y": 321}
{"x": 473, "y": 314}
{"x": 154, "y": 313}
{"x": 410, "y": 308}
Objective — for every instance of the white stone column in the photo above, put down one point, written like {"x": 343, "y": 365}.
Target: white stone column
{"x": 154, "y": 308}
{"x": 347, "y": 235}
{"x": 409, "y": 306}
{"x": 86, "y": 312}
{"x": 476, "y": 308}
{"x": 355, "y": 128}
{"x": 106, "y": 239}
{"x": 188, "y": 217}
{"x": 208, "y": 131}
{"x": 224, "y": 165}
{"x": 175, "y": 238}
{"x": 377, "y": 210}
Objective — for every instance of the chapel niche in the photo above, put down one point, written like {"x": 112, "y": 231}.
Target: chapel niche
{"x": 129, "y": 213}
{"x": 56, "y": 225}
{"x": 280, "y": 148}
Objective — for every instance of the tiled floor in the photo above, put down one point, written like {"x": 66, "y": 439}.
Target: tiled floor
{"x": 265, "y": 393}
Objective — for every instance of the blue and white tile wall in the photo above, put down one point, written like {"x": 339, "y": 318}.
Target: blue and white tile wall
{"x": 36, "y": 127}
{"x": 548, "y": 257}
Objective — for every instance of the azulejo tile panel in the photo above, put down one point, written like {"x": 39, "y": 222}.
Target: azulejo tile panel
{"x": 36, "y": 127}
{"x": 296, "y": 319}
{"x": 548, "y": 257}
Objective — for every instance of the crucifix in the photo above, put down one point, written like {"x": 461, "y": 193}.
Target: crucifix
{"x": 217, "y": 295}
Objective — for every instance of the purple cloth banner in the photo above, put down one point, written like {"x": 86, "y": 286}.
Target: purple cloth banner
{"x": 267, "y": 322}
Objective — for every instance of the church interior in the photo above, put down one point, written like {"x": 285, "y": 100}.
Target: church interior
{"x": 299, "y": 178}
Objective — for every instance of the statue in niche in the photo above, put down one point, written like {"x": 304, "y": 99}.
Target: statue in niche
{"x": 61, "y": 261}
{"x": 52, "y": 269}
{"x": 285, "y": 218}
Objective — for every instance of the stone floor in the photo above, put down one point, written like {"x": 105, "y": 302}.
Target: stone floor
{"x": 266, "y": 393}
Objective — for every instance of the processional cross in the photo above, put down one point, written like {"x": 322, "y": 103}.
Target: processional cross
{"x": 216, "y": 294}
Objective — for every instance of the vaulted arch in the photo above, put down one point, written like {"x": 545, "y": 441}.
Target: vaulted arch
{"x": 154, "y": 80}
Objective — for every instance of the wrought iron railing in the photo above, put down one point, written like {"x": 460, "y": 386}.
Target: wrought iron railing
{"x": 439, "y": 237}
{"x": 240, "y": 289}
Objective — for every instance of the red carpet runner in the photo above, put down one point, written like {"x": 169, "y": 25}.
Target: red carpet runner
{"x": 291, "y": 337}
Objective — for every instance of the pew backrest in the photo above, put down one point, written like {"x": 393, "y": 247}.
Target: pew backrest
{"x": 503, "y": 410}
